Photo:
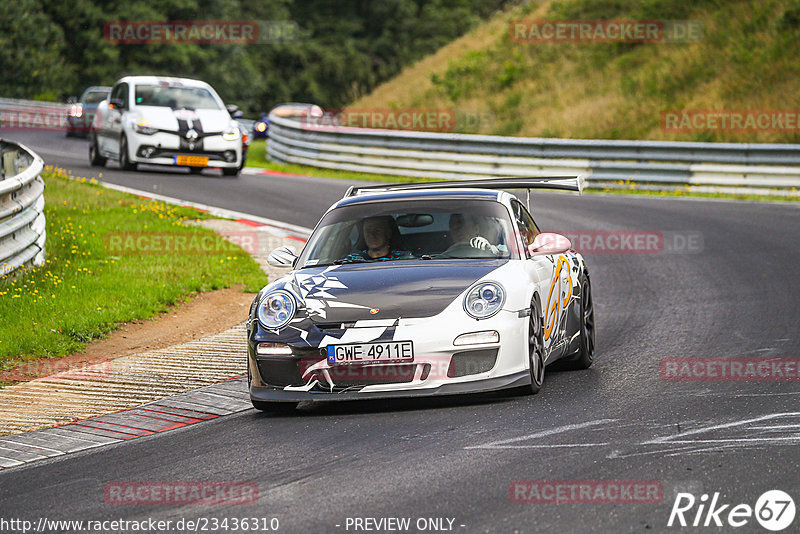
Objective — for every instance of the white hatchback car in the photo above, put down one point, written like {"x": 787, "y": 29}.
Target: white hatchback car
{"x": 166, "y": 121}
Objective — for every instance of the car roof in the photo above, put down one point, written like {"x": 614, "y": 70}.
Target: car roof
{"x": 421, "y": 194}
{"x": 188, "y": 82}
{"x": 97, "y": 89}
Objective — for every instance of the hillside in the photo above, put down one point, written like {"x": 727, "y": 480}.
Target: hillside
{"x": 745, "y": 60}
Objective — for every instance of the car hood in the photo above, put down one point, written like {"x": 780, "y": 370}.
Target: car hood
{"x": 202, "y": 120}
{"x": 407, "y": 289}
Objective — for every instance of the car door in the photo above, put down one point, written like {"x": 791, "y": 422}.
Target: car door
{"x": 113, "y": 120}
{"x": 554, "y": 283}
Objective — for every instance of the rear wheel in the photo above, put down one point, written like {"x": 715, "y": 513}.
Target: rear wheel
{"x": 535, "y": 349}
{"x": 124, "y": 158}
{"x": 95, "y": 159}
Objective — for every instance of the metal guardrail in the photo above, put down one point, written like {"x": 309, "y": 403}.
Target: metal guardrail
{"x": 22, "y": 222}
{"x": 454, "y": 156}
{"x": 16, "y": 114}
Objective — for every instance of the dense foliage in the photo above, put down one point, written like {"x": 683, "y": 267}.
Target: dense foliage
{"x": 50, "y": 50}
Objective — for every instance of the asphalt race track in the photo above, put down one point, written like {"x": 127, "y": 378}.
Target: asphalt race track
{"x": 734, "y": 294}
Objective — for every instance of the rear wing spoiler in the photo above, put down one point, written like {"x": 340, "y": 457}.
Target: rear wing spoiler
{"x": 564, "y": 183}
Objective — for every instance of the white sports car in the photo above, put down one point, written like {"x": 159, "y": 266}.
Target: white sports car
{"x": 165, "y": 121}
{"x": 421, "y": 289}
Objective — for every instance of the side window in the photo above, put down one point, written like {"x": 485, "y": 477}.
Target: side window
{"x": 527, "y": 228}
{"x": 123, "y": 95}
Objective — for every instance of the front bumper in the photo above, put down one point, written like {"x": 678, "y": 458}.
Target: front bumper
{"x": 162, "y": 148}
{"x": 439, "y": 366}
{"x": 82, "y": 124}
{"x": 514, "y": 380}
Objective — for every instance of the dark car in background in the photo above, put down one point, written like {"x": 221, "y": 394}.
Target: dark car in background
{"x": 81, "y": 111}
{"x": 246, "y": 127}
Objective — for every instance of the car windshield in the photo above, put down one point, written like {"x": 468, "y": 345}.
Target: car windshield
{"x": 175, "y": 97}
{"x": 95, "y": 97}
{"x": 408, "y": 230}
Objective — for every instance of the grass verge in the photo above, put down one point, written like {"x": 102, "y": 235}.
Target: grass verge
{"x": 88, "y": 285}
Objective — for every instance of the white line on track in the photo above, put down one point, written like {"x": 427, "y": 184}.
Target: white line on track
{"x": 292, "y": 229}
{"x": 503, "y": 444}
{"x": 675, "y": 438}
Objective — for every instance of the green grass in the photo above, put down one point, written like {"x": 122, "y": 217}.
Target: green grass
{"x": 694, "y": 194}
{"x": 86, "y": 288}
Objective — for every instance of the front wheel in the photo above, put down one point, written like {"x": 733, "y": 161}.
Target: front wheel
{"x": 124, "y": 158}
{"x": 585, "y": 356}
{"x": 535, "y": 349}
{"x": 230, "y": 171}
{"x": 95, "y": 159}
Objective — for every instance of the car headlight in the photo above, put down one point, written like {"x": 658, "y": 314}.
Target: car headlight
{"x": 231, "y": 133}
{"x": 144, "y": 127}
{"x": 276, "y": 309}
{"x": 484, "y": 299}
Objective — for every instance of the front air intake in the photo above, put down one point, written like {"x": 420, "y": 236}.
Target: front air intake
{"x": 471, "y": 362}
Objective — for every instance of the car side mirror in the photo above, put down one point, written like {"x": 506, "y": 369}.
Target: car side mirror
{"x": 232, "y": 109}
{"x": 72, "y": 100}
{"x": 549, "y": 243}
{"x": 116, "y": 103}
{"x": 284, "y": 256}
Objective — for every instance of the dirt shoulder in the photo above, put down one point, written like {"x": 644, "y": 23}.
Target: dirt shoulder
{"x": 204, "y": 314}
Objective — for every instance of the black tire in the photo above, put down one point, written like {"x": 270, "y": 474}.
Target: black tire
{"x": 535, "y": 349}
{"x": 227, "y": 171}
{"x": 69, "y": 133}
{"x": 274, "y": 407}
{"x": 95, "y": 159}
{"x": 585, "y": 356}
{"x": 124, "y": 158}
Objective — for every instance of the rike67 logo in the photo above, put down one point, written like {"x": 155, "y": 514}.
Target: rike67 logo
{"x": 774, "y": 510}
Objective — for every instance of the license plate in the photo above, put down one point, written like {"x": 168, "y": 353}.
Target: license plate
{"x": 370, "y": 353}
{"x": 192, "y": 161}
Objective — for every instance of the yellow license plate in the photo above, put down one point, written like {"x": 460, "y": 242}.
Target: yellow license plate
{"x": 192, "y": 161}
